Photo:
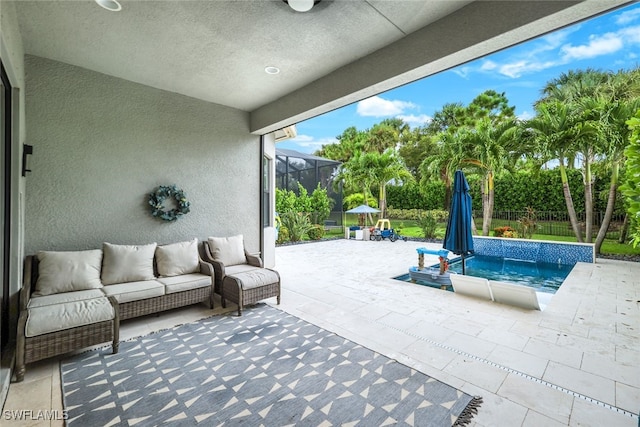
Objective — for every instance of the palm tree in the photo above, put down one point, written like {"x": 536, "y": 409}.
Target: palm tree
{"x": 489, "y": 147}
{"x": 581, "y": 90}
{"x": 384, "y": 168}
{"x": 356, "y": 175}
{"x": 554, "y": 130}
{"x": 620, "y": 101}
{"x": 443, "y": 163}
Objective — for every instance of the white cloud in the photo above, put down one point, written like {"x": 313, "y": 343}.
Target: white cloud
{"x": 525, "y": 115}
{"x": 488, "y": 65}
{"x": 518, "y": 68}
{"x": 628, "y": 16}
{"x": 631, "y": 34}
{"x": 380, "y": 107}
{"x": 415, "y": 120}
{"x": 554, "y": 40}
{"x": 309, "y": 141}
{"x": 462, "y": 71}
{"x": 556, "y": 49}
{"x": 597, "y": 46}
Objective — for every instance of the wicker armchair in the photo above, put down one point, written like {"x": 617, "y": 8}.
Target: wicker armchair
{"x": 240, "y": 277}
{"x": 34, "y": 348}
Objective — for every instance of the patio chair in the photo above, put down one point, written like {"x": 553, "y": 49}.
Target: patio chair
{"x": 240, "y": 277}
{"x": 512, "y": 294}
{"x": 472, "y": 286}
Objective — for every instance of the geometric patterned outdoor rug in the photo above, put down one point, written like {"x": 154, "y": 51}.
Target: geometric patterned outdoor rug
{"x": 266, "y": 368}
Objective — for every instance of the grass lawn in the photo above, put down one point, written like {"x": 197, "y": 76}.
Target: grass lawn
{"x": 410, "y": 228}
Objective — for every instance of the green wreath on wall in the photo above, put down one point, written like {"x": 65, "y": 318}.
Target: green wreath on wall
{"x": 164, "y": 192}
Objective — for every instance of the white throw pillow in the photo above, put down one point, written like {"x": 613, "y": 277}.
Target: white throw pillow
{"x": 178, "y": 258}
{"x": 68, "y": 271}
{"x": 127, "y": 263}
{"x": 228, "y": 250}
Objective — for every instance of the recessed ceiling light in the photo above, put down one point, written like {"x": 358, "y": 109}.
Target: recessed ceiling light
{"x": 272, "y": 70}
{"x": 111, "y": 5}
{"x": 301, "y": 5}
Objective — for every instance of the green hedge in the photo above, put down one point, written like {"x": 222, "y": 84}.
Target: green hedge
{"x": 513, "y": 192}
{"x": 412, "y": 196}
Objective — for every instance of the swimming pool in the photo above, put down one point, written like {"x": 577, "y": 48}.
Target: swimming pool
{"x": 543, "y": 276}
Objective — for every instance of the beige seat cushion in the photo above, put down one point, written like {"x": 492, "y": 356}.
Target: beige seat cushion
{"x": 178, "y": 258}
{"x": 255, "y": 278}
{"x": 134, "y": 291}
{"x": 41, "y": 301}
{"x": 228, "y": 250}
{"x": 185, "y": 282}
{"x": 68, "y": 271}
{"x": 59, "y": 317}
{"x": 240, "y": 268}
{"x": 127, "y": 263}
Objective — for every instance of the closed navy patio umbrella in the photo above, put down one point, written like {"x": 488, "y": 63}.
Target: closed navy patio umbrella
{"x": 458, "y": 238}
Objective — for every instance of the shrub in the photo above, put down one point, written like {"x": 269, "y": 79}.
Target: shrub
{"x": 510, "y": 234}
{"x": 321, "y": 204}
{"x": 500, "y": 231}
{"x": 283, "y": 235}
{"x": 528, "y": 223}
{"x": 428, "y": 221}
{"x": 285, "y": 200}
{"x": 316, "y": 232}
{"x": 297, "y": 223}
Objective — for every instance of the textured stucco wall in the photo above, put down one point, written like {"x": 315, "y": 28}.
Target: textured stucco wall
{"x": 102, "y": 144}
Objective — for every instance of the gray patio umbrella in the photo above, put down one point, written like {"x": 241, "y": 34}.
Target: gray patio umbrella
{"x": 364, "y": 210}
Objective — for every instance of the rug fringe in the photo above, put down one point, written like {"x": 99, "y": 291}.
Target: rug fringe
{"x": 469, "y": 412}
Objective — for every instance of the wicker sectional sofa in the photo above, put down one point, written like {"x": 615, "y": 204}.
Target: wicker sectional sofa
{"x": 72, "y": 300}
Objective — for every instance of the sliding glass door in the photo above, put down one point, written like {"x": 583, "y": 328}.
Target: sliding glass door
{"x": 5, "y": 208}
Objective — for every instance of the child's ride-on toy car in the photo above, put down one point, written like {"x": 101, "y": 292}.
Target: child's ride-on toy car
{"x": 383, "y": 230}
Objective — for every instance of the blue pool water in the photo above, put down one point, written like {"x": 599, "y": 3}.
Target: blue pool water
{"x": 544, "y": 277}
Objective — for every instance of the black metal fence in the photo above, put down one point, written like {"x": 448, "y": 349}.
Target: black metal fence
{"x": 552, "y": 223}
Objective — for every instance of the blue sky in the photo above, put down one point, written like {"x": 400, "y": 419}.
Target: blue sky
{"x": 608, "y": 42}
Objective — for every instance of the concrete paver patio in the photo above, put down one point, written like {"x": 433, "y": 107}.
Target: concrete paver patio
{"x": 575, "y": 363}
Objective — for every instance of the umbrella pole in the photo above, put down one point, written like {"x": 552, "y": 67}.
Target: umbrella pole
{"x": 463, "y": 264}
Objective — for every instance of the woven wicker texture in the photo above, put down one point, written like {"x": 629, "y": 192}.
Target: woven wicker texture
{"x": 232, "y": 291}
{"x": 60, "y": 342}
{"x": 165, "y": 302}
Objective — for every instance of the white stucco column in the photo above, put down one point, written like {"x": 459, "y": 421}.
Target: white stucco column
{"x": 269, "y": 233}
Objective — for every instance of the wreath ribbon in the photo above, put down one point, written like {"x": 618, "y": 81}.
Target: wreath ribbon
{"x": 157, "y": 199}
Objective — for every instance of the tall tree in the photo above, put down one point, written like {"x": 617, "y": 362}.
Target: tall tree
{"x": 350, "y": 142}
{"x": 416, "y": 145}
{"x": 489, "y": 148}
{"x": 453, "y": 122}
{"x": 579, "y": 89}
{"x": 554, "y": 132}
{"x": 443, "y": 163}
{"x": 384, "y": 135}
{"x": 384, "y": 168}
{"x": 620, "y": 100}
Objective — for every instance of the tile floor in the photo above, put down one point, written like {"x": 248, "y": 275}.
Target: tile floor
{"x": 575, "y": 363}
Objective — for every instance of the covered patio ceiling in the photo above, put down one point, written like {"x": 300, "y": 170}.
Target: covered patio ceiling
{"x": 340, "y": 52}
